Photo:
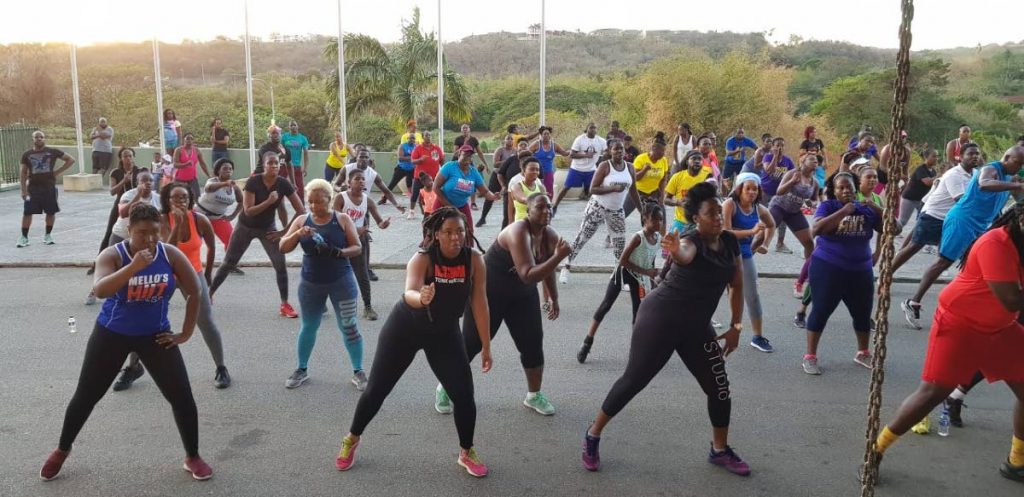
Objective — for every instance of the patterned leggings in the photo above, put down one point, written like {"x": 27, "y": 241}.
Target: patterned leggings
{"x": 593, "y": 215}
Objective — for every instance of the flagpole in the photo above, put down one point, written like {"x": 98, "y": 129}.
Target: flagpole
{"x": 440, "y": 80}
{"x": 78, "y": 108}
{"x": 248, "y": 91}
{"x": 342, "y": 114}
{"x": 543, "y": 63}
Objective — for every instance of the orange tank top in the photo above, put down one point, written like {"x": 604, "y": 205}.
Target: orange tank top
{"x": 429, "y": 197}
{"x": 193, "y": 246}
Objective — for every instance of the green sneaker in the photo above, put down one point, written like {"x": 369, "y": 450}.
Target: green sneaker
{"x": 22, "y": 241}
{"x": 540, "y": 404}
{"x": 442, "y": 403}
{"x": 48, "y": 239}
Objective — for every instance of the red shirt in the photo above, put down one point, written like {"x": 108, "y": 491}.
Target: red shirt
{"x": 994, "y": 258}
{"x": 431, "y": 164}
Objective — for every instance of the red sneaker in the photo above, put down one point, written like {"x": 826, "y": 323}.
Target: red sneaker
{"x": 287, "y": 311}
{"x": 51, "y": 468}
{"x": 198, "y": 467}
{"x": 347, "y": 454}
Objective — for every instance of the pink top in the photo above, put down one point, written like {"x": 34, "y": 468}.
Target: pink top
{"x": 187, "y": 173}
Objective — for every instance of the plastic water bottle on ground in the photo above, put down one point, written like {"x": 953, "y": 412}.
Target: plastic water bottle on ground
{"x": 944, "y": 421}
{"x": 72, "y": 327}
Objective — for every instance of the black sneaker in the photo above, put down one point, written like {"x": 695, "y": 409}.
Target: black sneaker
{"x": 373, "y": 275}
{"x": 800, "y": 321}
{"x": 128, "y": 376}
{"x": 237, "y": 271}
{"x": 222, "y": 379}
{"x": 1015, "y": 473}
{"x": 481, "y": 222}
{"x": 91, "y": 270}
{"x": 954, "y": 406}
{"x": 382, "y": 201}
{"x": 581, "y": 356}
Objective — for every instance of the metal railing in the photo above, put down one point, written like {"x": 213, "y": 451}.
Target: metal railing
{"x": 13, "y": 142}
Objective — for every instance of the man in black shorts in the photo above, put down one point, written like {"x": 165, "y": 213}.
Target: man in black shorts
{"x": 39, "y": 185}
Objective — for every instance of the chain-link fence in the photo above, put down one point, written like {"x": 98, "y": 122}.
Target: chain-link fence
{"x": 14, "y": 141}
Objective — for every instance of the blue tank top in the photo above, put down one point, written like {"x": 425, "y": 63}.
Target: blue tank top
{"x": 546, "y": 157}
{"x": 140, "y": 308}
{"x": 407, "y": 165}
{"x": 324, "y": 268}
{"x": 743, "y": 221}
{"x": 977, "y": 209}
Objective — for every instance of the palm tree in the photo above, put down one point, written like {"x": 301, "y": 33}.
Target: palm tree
{"x": 400, "y": 80}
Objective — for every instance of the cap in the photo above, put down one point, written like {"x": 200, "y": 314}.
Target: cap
{"x": 860, "y": 162}
{"x": 466, "y": 148}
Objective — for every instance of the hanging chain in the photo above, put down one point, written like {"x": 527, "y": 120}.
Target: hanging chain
{"x": 899, "y": 158}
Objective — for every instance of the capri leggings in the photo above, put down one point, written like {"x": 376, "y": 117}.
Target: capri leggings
{"x": 593, "y": 215}
{"x": 796, "y": 221}
{"x": 658, "y": 333}
{"x": 750, "y": 294}
{"x": 516, "y": 304}
{"x": 240, "y": 241}
{"x": 342, "y": 294}
{"x": 104, "y": 355}
{"x": 405, "y": 333}
{"x": 361, "y": 268}
{"x": 833, "y": 284}
{"x": 620, "y": 277}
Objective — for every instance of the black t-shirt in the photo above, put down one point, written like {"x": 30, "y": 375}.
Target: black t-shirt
{"x": 286, "y": 156}
{"x": 806, "y": 144}
{"x": 461, "y": 140}
{"x": 695, "y": 289}
{"x": 41, "y": 166}
{"x": 916, "y": 189}
{"x": 510, "y": 168}
{"x": 118, "y": 174}
{"x": 265, "y": 219}
{"x": 218, "y": 135}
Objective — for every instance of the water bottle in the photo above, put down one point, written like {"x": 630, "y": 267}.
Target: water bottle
{"x": 944, "y": 421}
{"x": 72, "y": 327}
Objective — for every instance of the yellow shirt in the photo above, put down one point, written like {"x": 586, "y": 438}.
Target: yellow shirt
{"x": 680, "y": 183}
{"x": 650, "y": 182}
{"x": 337, "y": 159}
{"x": 521, "y": 207}
{"x": 405, "y": 138}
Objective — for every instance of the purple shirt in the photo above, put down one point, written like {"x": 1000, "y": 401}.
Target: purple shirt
{"x": 849, "y": 246}
{"x": 770, "y": 182}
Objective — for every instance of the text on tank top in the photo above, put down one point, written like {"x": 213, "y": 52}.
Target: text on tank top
{"x": 356, "y": 212}
{"x": 140, "y": 307}
{"x": 452, "y": 279}
{"x": 216, "y": 203}
{"x": 614, "y": 201}
{"x": 193, "y": 246}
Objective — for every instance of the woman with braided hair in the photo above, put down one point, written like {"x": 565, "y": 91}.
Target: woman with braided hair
{"x": 440, "y": 280}
{"x": 976, "y": 328}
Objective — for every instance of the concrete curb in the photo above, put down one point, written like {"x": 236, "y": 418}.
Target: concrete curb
{"x": 392, "y": 265}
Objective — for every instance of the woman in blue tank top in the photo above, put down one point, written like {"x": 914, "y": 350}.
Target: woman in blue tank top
{"x": 328, "y": 240}
{"x": 544, "y": 150}
{"x": 137, "y": 278}
{"x": 753, "y": 225}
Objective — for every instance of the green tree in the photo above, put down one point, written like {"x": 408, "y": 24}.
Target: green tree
{"x": 1004, "y": 73}
{"x": 399, "y": 81}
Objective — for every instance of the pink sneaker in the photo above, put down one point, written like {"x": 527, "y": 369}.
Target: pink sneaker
{"x": 347, "y": 454}
{"x": 51, "y": 468}
{"x": 198, "y": 467}
{"x": 469, "y": 460}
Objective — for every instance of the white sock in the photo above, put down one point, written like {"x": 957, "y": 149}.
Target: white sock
{"x": 957, "y": 394}
{"x": 531, "y": 395}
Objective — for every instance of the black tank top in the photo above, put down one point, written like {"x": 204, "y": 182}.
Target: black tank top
{"x": 697, "y": 287}
{"x": 452, "y": 279}
{"x": 502, "y": 268}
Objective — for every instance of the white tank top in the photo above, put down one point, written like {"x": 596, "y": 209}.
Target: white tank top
{"x": 682, "y": 147}
{"x": 356, "y": 212}
{"x": 614, "y": 201}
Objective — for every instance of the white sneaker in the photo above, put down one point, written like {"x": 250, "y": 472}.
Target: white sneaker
{"x": 563, "y": 276}
{"x": 410, "y": 214}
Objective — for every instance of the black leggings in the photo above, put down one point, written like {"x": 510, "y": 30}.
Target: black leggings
{"x": 415, "y": 195}
{"x": 620, "y": 277}
{"x": 397, "y": 176}
{"x": 104, "y": 355}
{"x": 241, "y": 238}
{"x": 520, "y": 311}
{"x": 361, "y": 268}
{"x": 832, "y": 284}
{"x": 494, "y": 186}
{"x": 405, "y": 333}
{"x": 658, "y": 333}
{"x": 111, "y": 219}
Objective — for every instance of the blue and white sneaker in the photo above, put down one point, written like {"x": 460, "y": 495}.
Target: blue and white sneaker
{"x": 761, "y": 343}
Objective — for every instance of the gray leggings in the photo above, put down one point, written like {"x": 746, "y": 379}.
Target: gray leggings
{"x": 907, "y": 209}
{"x": 241, "y": 238}
{"x": 750, "y": 295}
{"x": 208, "y": 328}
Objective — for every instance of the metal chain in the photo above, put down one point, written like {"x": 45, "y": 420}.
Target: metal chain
{"x": 897, "y": 166}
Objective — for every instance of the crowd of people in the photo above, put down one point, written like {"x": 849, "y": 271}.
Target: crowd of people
{"x": 457, "y": 295}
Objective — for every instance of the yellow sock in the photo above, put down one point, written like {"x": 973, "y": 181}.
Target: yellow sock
{"x": 1017, "y": 452}
{"x": 885, "y": 439}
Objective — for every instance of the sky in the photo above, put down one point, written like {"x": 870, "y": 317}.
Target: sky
{"x": 937, "y": 23}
